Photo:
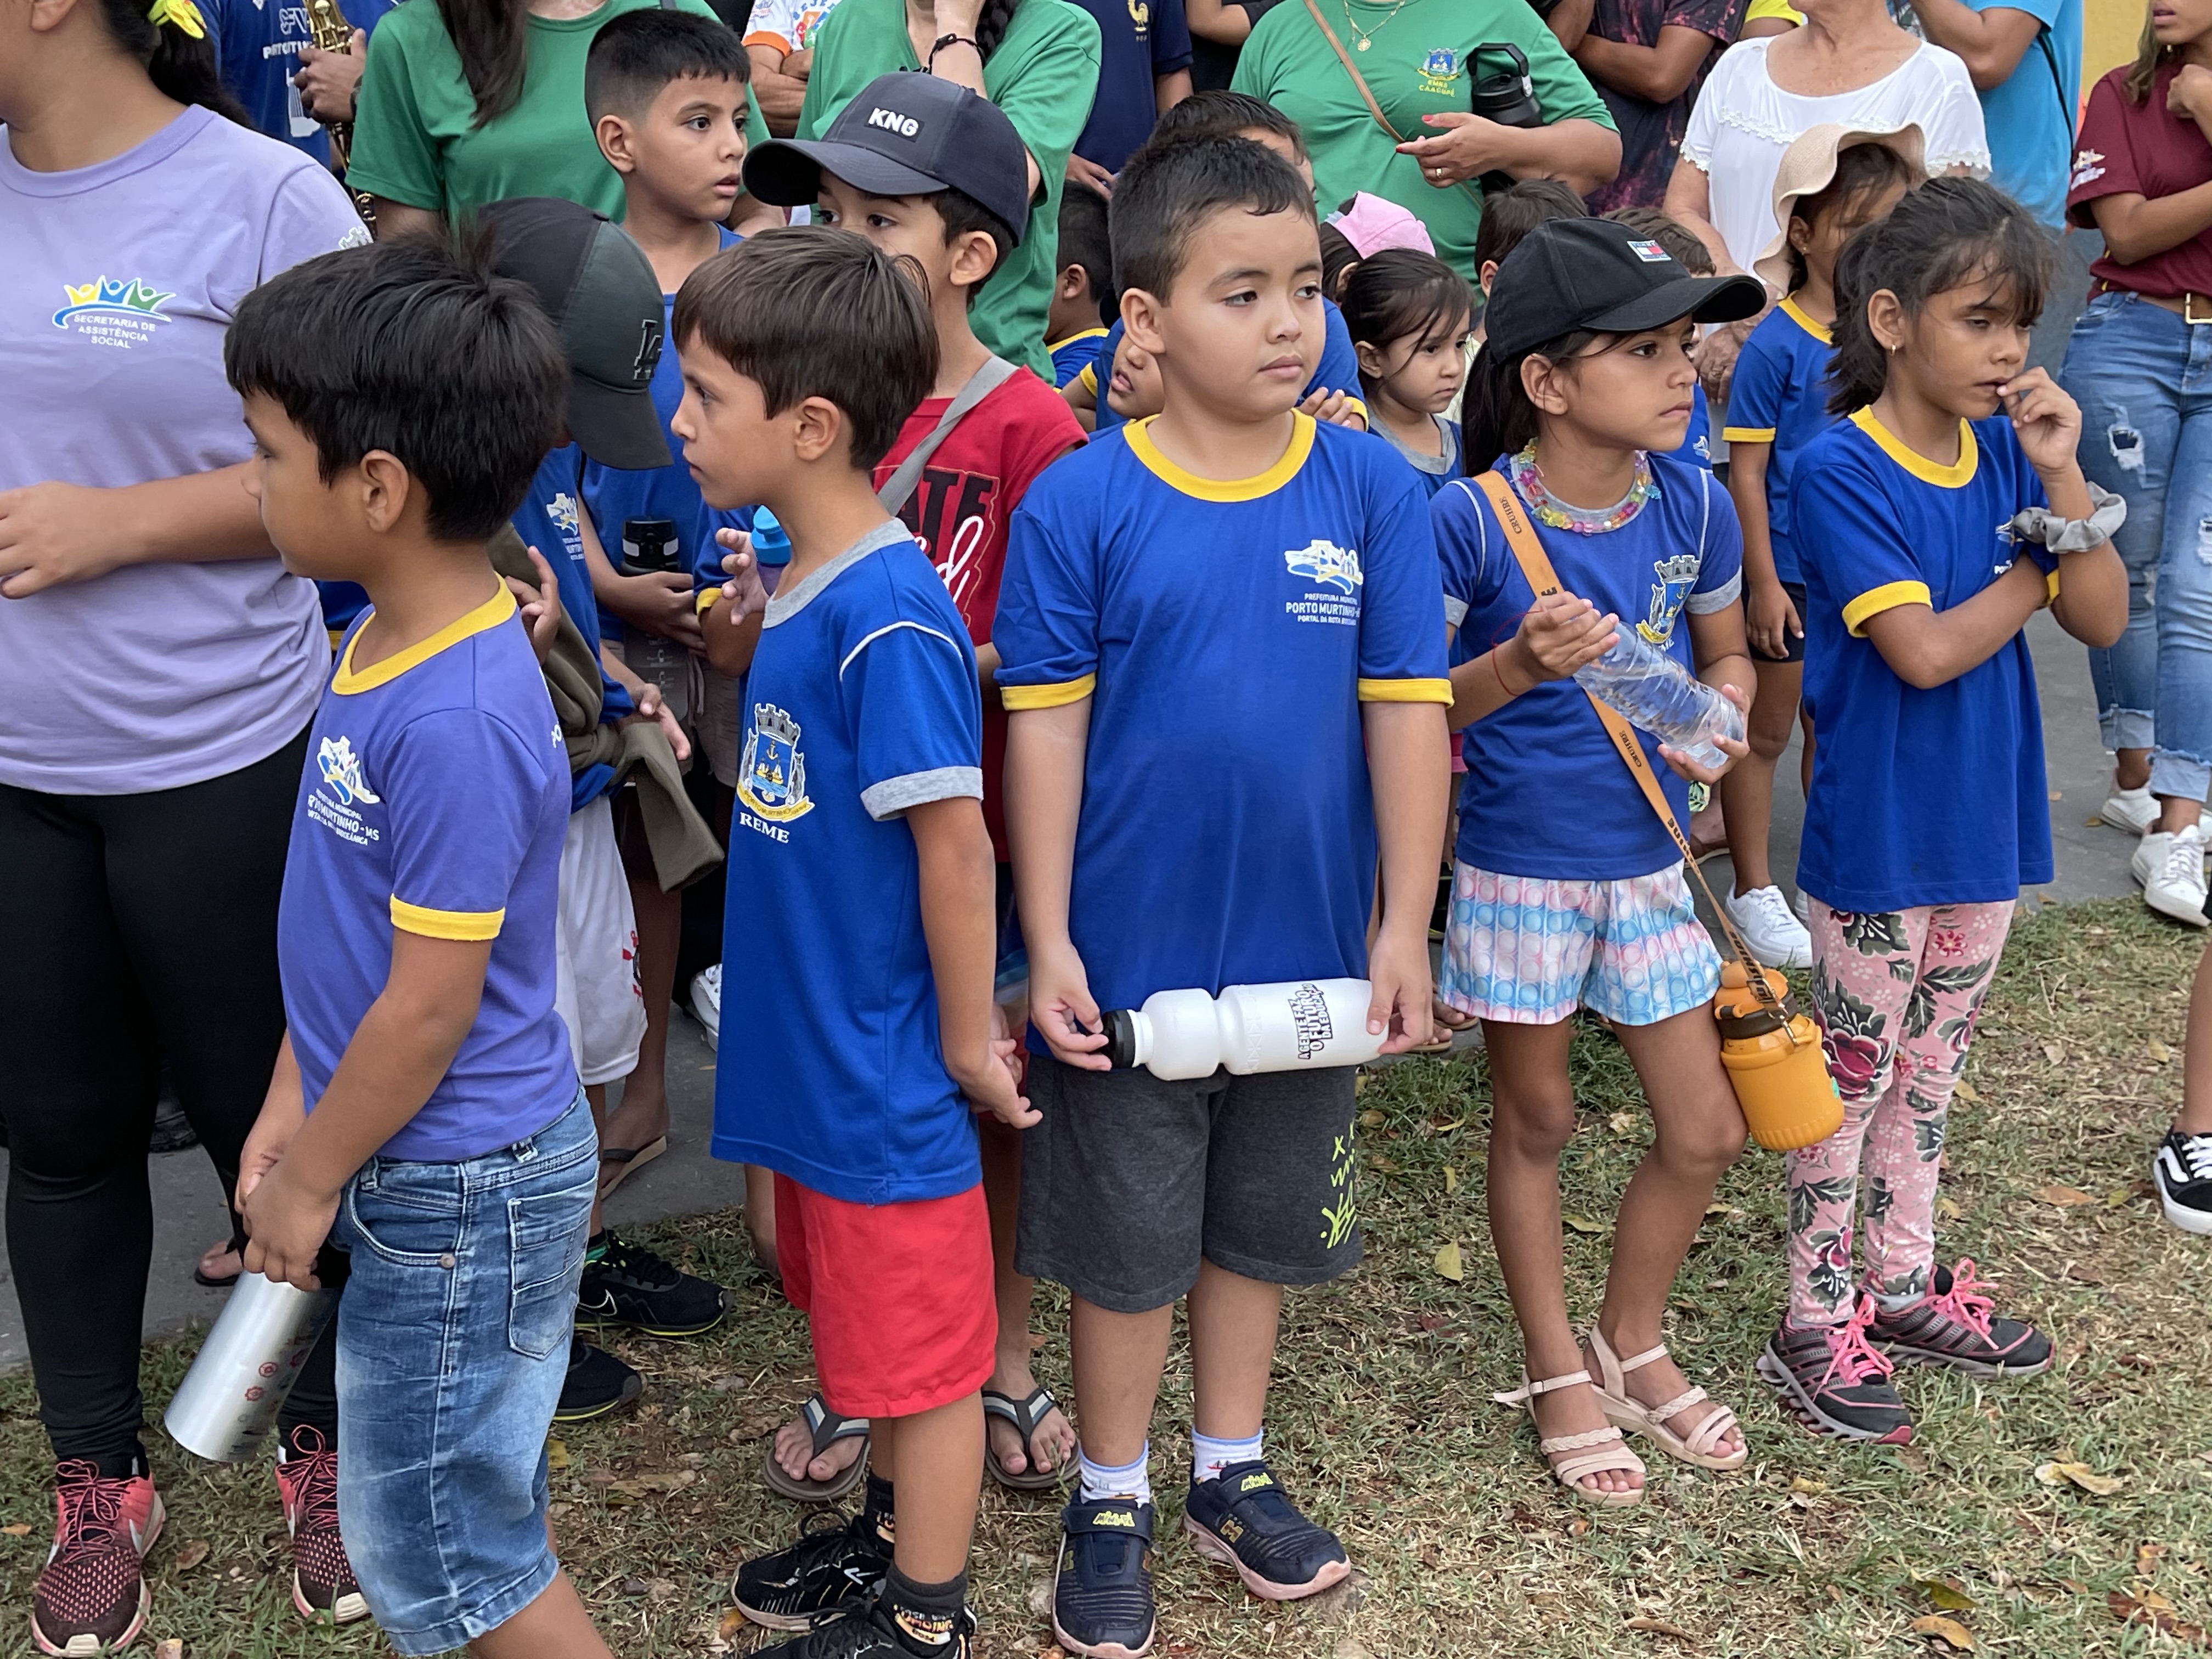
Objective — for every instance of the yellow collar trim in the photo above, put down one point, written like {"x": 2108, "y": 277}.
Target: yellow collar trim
{"x": 1223, "y": 489}
{"x": 1796, "y": 314}
{"x": 1954, "y": 476}
{"x": 349, "y": 680}
{"x": 1079, "y": 334}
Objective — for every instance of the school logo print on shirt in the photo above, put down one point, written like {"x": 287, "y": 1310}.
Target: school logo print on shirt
{"x": 341, "y": 768}
{"x": 1676, "y": 578}
{"x": 1336, "y": 577}
{"x": 107, "y": 313}
{"x": 1440, "y": 72}
{"x": 772, "y": 773}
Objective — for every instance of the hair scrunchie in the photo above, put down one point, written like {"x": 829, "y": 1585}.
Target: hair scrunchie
{"x": 183, "y": 13}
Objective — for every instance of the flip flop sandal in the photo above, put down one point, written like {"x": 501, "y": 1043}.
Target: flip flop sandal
{"x": 627, "y": 1161}
{"x": 1027, "y": 1416}
{"x": 233, "y": 1246}
{"x": 825, "y": 1428}
{"x": 1597, "y": 1450}
{"x": 1624, "y": 1410}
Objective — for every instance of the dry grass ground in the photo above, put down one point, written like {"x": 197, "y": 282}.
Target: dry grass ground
{"x": 1384, "y": 1428}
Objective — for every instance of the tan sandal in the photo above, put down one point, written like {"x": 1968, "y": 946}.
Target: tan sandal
{"x": 1597, "y": 1449}
{"x": 1624, "y": 1410}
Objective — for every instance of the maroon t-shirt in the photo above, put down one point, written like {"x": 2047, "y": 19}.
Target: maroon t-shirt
{"x": 2142, "y": 149}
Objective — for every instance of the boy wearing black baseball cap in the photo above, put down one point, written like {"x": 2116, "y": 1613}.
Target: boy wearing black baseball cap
{"x": 925, "y": 169}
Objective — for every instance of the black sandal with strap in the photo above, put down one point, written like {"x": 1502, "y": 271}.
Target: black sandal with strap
{"x": 824, "y": 1428}
{"x": 1027, "y": 1416}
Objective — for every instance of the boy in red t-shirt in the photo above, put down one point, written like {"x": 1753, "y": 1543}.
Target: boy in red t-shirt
{"x": 950, "y": 213}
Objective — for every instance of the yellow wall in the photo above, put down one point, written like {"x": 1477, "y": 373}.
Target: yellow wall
{"x": 2110, "y": 31}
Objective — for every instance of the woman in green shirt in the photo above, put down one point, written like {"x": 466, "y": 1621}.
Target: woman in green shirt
{"x": 464, "y": 102}
{"x": 1420, "y": 67}
{"x": 1036, "y": 60}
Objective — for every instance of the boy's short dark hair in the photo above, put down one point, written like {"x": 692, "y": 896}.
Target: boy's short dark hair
{"x": 1220, "y": 114}
{"x": 633, "y": 56}
{"x": 808, "y": 311}
{"x": 1510, "y": 215}
{"x": 1681, "y": 243}
{"x": 962, "y": 213}
{"x": 411, "y": 346}
{"x": 1172, "y": 186}
{"x": 1083, "y": 241}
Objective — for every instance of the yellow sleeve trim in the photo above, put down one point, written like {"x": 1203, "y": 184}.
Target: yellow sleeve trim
{"x": 1088, "y": 379}
{"x": 1875, "y": 600}
{"x": 1747, "y": 435}
{"x": 445, "y": 924}
{"x": 2050, "y": 577}
{"x": 1406, "y": 692}
{"x": 1354, "y": 403}
{"x": 704, "y": 599}
{"x": 1048, "y": 697}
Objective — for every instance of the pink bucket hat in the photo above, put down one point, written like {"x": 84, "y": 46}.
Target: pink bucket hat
{"x": 1371, "y": 224}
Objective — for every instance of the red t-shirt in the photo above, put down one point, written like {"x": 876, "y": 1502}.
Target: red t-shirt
{"x": 960, "y": 510}
{"x": 2142, "y": 149}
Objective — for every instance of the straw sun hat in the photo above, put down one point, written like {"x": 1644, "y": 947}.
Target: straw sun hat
{"x": 1808, "y": 166}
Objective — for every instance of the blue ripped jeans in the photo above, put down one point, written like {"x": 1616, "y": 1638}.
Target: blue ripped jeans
{"x": 2143, "y": 378}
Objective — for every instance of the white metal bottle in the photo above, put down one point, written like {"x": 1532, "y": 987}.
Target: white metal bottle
{"x": 228, "y": 1403}
{"x": 1295, "y": 1026}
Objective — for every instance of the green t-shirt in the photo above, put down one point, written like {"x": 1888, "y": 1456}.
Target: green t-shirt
{"x": 415, "y": 137}
{"x": 1417, "y": 66}
{"x": 1043, "y": 75}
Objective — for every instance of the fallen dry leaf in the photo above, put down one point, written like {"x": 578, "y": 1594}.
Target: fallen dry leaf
{"x": 556, "y": 1454}
{"x": 194, "y": 1551}
{"x": 2055, "y": 1053}
{"x": 1966, "y": 1091}
{"x": 1799, "y": 1483}
{"x": 1452, "y": 1181}
{"x": 1444, "y": 1126}
{"x": 1949, "y": 1631}
{"x": 2078, "y": 1474}
{"x": 1947, "y": 1207}
{"x": 2063, "y": 1196}
{"x": 2153, "y": 1609}
{"x": 1370, "y": 1119}
{"x": 1945, "y": 1594}
{"x": 1448, "y": 1264}
{"x": 1583, "y": 1223}
{"x": 730, "y": 1625}
{"x": 170, "y": 1647}
{"x": 1382, "y": 1165}
{"x": 2146, "y": 1559}
{"x": 1644, "y": 1621}
{"x": 1578, "y": 1526}
{"x": 2157, "y": 1051}
{"x": 1620, "y": 1123}
{"x": 19, "y": 1530}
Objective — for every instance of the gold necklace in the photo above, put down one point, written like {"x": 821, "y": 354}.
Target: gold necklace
{"x": 1367, "y": 35}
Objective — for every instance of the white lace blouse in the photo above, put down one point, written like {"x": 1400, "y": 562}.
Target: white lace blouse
{"x": 1742, "y": 122}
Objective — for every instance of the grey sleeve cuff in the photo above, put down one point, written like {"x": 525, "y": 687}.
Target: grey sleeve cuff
{"x": 893, "y": 796}
{"x": 1454, "y": 610}
{"x": 1719, "y": 599}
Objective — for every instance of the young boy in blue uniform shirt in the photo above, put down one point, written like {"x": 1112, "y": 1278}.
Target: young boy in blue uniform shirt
{"x": 1221, "y": 628}
{"x": 861, "y": 884}
{"x": 425, "y": 1114}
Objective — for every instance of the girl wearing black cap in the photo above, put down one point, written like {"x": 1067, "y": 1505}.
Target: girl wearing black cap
{"x": 1586, "y": 387}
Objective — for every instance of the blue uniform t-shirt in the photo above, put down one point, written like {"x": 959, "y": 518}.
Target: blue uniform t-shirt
{"x": 1780, "y": 397}
{"x": 861, "y": 703}
{"x": 1697, "y": 446}
{"x": 1071, "y": 356}
{"x": 2031, "y": 114}
{"x": 1682, "y": 551}
{"x": 662, "y": 492}
{"x": 1138, "y": 40}
{"x": 434, "y": 800}
{"x": 1933, "y": 797}
{"x": 256, "y": 45}
{"x": 1337, "y": 371}
{"x": 1227, "y": 634}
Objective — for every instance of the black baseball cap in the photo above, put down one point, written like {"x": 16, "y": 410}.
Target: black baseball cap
{"x": 904, "y": 135}
{"x": 1573, "y": 274}
{"x": 599, "y": 288}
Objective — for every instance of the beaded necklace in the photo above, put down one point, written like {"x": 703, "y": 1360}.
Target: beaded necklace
{"x": 1527, "y": 480}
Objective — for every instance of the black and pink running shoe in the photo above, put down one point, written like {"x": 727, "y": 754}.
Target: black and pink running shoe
{"x": 1833, "y": 1383}
{"x": 1956, "y": 1326}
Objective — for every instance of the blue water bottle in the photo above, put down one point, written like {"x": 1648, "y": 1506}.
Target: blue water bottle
{"x": 770, "y": 545}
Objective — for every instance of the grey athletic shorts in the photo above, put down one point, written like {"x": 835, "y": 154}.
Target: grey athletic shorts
{"x": 1129, "y": 1180}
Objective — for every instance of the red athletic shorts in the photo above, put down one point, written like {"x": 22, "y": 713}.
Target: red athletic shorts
{"x": 898, "y": 1297}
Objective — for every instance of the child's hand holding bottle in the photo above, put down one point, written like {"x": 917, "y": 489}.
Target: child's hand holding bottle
{"x": 1559, "y": 634}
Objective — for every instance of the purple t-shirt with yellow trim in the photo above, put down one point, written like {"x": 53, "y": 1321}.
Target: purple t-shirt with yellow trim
{"x": 434, "y": 800}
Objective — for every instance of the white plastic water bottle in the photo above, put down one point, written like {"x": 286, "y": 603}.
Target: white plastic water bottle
{"x": 1297, "y": 1025}
{"x": 1655, "y": 694}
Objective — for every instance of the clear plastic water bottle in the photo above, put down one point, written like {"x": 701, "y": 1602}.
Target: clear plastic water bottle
{"x": 1655, "y": 694}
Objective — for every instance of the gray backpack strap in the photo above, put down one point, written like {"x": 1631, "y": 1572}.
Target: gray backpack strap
{"x": 899, "y": 488}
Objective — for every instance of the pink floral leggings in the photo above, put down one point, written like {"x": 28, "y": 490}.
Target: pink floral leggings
{"x": 1896, "y": 996}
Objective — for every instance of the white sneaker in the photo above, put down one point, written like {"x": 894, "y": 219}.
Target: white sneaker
{"x": 2132, "y": 810}
{"x": 1777, "y": 938}
{"x": 2170, "y": 867}
{"x": 707, "y": 1001}
{"x": 1801, "y": 906}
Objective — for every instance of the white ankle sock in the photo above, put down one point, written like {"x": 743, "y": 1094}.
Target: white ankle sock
{"x": 1208, "y": 1457}
{"x": 1105, "y": 1480}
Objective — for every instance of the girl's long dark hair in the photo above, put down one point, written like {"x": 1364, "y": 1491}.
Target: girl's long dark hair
{"x": 991, "y": 28}
{"x": 1947, "y": 233}
{"x": 1401, "y": 291}
{"x": 179, "y": 66}
{"x": 1496, "y": 416}
{"x": 492, "y": 39}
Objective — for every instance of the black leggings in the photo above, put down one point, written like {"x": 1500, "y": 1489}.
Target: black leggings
{"x": 133, "y": 928}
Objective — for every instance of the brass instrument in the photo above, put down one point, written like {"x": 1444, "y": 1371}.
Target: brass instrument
{"x": 329, "y": 32}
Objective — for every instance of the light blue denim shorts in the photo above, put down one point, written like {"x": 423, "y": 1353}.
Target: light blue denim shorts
{"x": 454, "y": 1339}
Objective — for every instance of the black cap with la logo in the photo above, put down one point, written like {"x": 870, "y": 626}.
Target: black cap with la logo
{"x": 599, "y": 288}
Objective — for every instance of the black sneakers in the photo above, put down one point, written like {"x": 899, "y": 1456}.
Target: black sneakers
{"x": 1241, "y": 1519}
{"x": 2183, "y": 1170}
{"x": 830, "y": 1568}
{"x": 1101, "y": 1587}
{"x": 1834, "y": 1383}
{"x": 597, "y": 1383}
{"x": 1956, "y": 1326}
{"x": 870, "y": 1630}
{"x": 630, "y": 1286}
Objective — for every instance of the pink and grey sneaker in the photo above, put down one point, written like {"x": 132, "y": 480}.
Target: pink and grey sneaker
{"x": 323, "y": 1585}
{"x": 1833, "y": 1383}
{"x": 1956, "y": 1326}
{"x": 91, "y": 1596}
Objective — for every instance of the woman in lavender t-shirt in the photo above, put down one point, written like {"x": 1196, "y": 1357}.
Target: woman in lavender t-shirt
{"x": 158, "y": 670}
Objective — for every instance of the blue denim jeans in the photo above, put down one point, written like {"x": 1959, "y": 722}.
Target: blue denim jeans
{"x": 2143, "y": 378}
{"x": 453, "y": 1345}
